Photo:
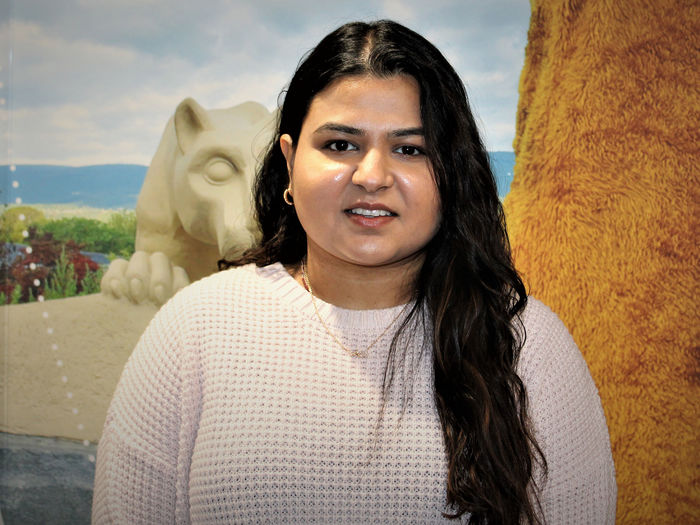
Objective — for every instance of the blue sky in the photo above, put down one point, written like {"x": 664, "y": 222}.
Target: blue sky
{"x": 95, "y": 81}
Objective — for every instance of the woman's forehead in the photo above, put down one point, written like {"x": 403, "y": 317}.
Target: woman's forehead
{"x": 394, "y": 100}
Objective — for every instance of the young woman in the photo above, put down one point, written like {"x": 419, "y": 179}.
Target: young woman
{"x": 380, "y": 361}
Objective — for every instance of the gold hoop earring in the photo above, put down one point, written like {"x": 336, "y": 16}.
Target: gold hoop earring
{"x": 287, "y": 196}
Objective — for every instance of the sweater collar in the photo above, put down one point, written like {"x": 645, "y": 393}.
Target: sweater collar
{"x": 294, "y": 294}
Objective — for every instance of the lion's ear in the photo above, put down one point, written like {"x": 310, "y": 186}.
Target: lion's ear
{"x": 190, "y": 120}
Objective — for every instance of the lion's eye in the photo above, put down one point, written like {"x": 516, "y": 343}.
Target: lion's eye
{"x": 220, "y": 170}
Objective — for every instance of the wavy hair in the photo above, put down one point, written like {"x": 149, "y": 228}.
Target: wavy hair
{"x": 472, "y": 294}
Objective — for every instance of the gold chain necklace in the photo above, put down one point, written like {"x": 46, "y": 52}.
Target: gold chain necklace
{"x": 353, "y": 353}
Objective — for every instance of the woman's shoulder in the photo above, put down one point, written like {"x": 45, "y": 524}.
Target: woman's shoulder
{"x": 549, "y": 347}
{"x": 241, "y": 279}
{"x": 235, "y": 286}
{"x": 568, "y": 421}
{"x": 232, "y": 295}
{"x": 543, "y": 327}
{"x": 541, "y": 321}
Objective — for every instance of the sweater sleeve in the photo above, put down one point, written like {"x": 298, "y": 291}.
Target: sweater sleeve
{"x": 136, "y": 471}
{"x": 569, "y": 424}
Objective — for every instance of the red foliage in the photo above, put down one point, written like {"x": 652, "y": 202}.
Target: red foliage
{"x": 31, "y": 281}
{"x": 6, "y": 288}
{"x": 31, "y": 268}
{"x": 82, "y": 264}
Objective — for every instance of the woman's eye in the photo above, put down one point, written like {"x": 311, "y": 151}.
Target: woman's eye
{"x": 409, "y": 150}
{"x": 340, "y": 145}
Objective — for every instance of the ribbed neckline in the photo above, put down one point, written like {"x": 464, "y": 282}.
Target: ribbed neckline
{"x": 290, "y": 291}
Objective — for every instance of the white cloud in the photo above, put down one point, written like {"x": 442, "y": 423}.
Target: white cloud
{"x": 96, "y": 81}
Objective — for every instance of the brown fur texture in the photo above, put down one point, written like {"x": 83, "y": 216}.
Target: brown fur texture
{"x": 603, "y": 218}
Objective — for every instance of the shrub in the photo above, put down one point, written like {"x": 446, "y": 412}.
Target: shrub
{"x": 95, "y": 236}
{"x": 17, "y": 219}
{"x": 124, "y": 222}
{"x": 91, "y": 282}
{"x": 62, "y": 281}
{"x": 50, "y": 268}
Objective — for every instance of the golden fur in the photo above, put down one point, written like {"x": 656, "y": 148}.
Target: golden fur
{"x": 603, "y": 218}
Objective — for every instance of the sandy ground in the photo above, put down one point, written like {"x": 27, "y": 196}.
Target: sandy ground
{"x": 61, "y": 361}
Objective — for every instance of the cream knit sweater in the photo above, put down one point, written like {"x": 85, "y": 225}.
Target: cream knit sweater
{"x": 238, "y": 407}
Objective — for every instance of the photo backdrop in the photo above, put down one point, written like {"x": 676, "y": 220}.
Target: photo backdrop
{"x": 86, "y": 89}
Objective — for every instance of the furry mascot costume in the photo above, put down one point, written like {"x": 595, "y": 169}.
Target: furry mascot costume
{"x": 603, "y": 219}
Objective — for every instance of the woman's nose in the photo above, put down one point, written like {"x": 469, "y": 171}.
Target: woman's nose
{"x": 373, "y": 172}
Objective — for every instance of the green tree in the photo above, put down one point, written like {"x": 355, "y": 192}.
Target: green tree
{"x": 94, "y": 235}
{"x": 61, "y": 282}
{"x": 123, "y": 221}
{"x": 91, "y": 282}
{"x": 17, "y": 219}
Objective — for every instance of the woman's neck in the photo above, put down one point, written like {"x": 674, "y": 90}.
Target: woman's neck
{"x": 358, "y": 287}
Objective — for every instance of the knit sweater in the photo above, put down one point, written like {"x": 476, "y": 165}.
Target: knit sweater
{"x": 237, "y": 406}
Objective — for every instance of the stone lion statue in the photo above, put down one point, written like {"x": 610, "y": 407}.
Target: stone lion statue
{"x": 195, "y": 205}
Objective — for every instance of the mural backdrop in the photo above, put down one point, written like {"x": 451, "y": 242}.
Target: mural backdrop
{"x": 86, "y": 91}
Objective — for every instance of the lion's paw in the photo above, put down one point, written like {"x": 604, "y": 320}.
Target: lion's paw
{"x": 145, "y": 277}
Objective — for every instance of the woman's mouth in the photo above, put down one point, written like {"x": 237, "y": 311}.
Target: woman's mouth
{"x": 364, "y": 212}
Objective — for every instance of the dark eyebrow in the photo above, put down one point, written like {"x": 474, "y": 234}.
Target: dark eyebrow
{"x": 349, "y": 130}
{"x": 407, "y": 132}
{"x": 342, "y": 128}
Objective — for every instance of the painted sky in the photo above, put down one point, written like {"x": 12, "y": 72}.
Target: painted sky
{"x": 95, "y": 81}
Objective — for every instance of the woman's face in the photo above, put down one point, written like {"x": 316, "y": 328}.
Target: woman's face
{"x": 361, "y": 182}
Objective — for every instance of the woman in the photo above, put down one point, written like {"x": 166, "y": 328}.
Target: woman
{"x": 372, "y": 365}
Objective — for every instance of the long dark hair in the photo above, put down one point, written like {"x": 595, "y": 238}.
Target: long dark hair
{"x": 472, "y": 294}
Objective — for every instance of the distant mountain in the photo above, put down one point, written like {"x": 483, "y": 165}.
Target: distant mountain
{"x": 101, "y": 186}
{"x": 118, "y": 185}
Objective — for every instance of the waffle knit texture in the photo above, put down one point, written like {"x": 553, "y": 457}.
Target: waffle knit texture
{"x": 238, "y": 407}
{"x": 604, "y": 219}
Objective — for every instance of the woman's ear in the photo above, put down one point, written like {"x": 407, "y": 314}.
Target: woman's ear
{"x": 288, "y": 150}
